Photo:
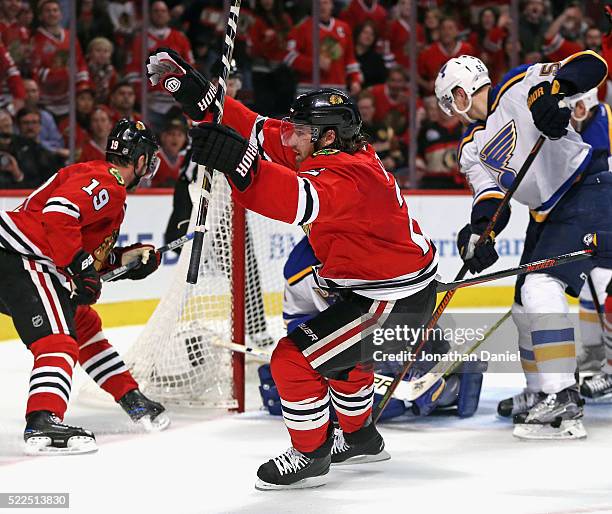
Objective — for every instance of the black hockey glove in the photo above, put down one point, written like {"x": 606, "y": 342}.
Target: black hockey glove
{"x": 476, "y": 257}
{"x": 147, "y": 256}
{"x": 186, "y": 84}
{"x": 223, "y": 149}
{"x": 87, "y": 285}
{"x": 543, "y": 102}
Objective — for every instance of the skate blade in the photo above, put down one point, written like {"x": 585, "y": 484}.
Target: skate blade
{"x": 77, "y": 445}
{"x": 364, "y": 459}
{"x": 606, "y": 398}
{"x": 161, "y": 422}
{"x": 569, "y": 429}
{"x": 305, "y": 483}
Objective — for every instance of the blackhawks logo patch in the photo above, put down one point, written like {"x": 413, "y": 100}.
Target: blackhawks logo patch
{"x": 115, "y": 173}
{"x": 326, "y": 151}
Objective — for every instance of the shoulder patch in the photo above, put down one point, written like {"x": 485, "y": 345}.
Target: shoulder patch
{"x": 115, "y": 173}
{"x": 326, "y": 151}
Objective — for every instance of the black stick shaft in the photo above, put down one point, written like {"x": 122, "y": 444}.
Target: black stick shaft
{"x": 596, "y": 304}
{"x": 228, "y": 50}
{"x": 464, "y": 269}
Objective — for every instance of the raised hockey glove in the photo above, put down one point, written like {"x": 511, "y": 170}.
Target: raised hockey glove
{"x": 87, "y": 284}
{"x": 147, "y": 256}
{"x": 223, "y": 149}
{"x": 477, "y": 257}
{"x": 186, "y": 84}
{"x": 543, "y": 102}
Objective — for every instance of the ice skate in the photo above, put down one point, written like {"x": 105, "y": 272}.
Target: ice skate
{"x": 145, "y": 412}
{"x": 590, "y": 358}
{"x": 293, "y": 470}
{"x": 597, "y": 388}
{"x": 557, "y": 416}
{"x": 518, "y": 404}
{"x": 45, "y": 434}
{"x": 365, "y": 445}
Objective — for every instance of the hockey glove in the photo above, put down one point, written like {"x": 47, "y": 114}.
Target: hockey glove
{"x": 87, "y": 285}
{"x": 187, "y": 85}
{"x": 543, "y": 102}
{"x": 476, "y": 257}
{"x": 601, "y": 244}
{"x": 147, "y": 256}
{"x": 223, "y": 149}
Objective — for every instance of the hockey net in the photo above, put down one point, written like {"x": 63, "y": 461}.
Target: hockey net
{"x": 238, "y": 298}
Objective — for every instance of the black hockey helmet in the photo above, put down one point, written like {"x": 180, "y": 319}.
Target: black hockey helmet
{"x": 131, "y": 139}
{"x": 326, "y": 109}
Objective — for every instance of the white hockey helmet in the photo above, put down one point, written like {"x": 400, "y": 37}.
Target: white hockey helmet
{"x": 589, "y": 99}
{"x": 467, "y": 72}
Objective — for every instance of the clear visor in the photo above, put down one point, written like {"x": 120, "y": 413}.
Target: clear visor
{"x": 152, "y": 167}
{"x": 446, "y": 104}
{"x": 295, "y": 134}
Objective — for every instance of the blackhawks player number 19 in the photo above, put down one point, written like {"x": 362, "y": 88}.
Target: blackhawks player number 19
{"x": 315, "y": 169}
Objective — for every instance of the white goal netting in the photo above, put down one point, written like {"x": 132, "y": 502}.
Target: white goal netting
{"x": 175, "y": 359}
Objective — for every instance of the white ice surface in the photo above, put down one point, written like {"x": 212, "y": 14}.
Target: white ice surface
{"x": 206, "y": 462}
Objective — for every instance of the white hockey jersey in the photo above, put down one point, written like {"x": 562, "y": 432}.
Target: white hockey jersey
{"x": 493, "y": 151}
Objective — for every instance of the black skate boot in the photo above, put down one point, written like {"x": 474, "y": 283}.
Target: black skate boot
{"x": 597, "y": 389}
{"x": 296, "y": 470}
{"x": 365, "y": 445}
{"x": 591, "y": 358}
{"x": 518, "y": 404}
{"x": 45, "y": 434}
{"x": 557, "y": 416}
{"x": 146, "y": 412}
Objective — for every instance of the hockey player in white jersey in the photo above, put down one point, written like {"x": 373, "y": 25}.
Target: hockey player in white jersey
{"x": 569, "y": 193}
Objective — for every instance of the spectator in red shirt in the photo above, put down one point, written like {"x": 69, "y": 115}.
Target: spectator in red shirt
{"x": 159, "y": 35}
{"x": 433, "y": 57}
{"x": 337, "y": 54}
{"x": 431, "y": 24}
{"x": 122, "y": 102}
{"x": 50, "y": 51}
{"x": 360, "y": 11}
{"x": 173, "y": 139}
{"x": 101, "y": 70}
{"x": 14, "y": 34}
{"x": 12, "y": 92}
{"x": 370, "y": 61}
{"x": 85, "y": 102}
{"x": 556, "y": 46}
{"x": 100, "y": 126}
{"x": 398, "y": 36}
{"x": 272, "y": 84}
{"x": 487, "y": 21}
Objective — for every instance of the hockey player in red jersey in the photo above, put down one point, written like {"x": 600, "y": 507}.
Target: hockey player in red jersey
{"x": 52, "y": 248}
{"x": 315, "y": 169}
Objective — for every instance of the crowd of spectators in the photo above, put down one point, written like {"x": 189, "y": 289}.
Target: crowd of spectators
{"x": 365, "y": 48}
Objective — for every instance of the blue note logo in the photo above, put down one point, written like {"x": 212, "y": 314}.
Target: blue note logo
{"x": 497, "y": 153}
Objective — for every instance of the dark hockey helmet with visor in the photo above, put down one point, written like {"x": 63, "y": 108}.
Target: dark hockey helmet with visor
{"x": 315, "y": 112}
{"x": 131, "y": 139}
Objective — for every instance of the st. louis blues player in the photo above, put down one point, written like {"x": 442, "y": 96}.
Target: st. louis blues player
{"x": 569, "y": 193}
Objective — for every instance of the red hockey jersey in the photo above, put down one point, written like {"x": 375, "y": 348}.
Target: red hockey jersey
{"x": 358, "y": 12}
{"x": 11, "y": 85}
{"x": 336, "y": 43}
{"x": 50, "y": 65}
{"x": 352, "y": 210}
{"x": 158, "y": 99}
{"x": 90, "y": 151}
{"x": 398, "y": 38}
{"x": 434, "y": 56}
{"x": 81, "y": 206}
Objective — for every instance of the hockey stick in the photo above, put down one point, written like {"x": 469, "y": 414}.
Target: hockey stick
{"x": 117, "y": 272}
{"x": 596, "y": 303}
{"x": 381, "y": 382}
{"x": 228, "y": 50}
{"x": 464, "y": 269}
{"x": 528, "y": 267}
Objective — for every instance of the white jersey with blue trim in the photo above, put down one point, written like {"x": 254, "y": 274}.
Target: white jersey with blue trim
{"x": 493, "y": 151}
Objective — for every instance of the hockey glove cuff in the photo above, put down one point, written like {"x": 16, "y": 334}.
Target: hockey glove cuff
{"x": 543, "y": 102}
{"x": 223, "y": 149}
{"x": 87, "y": 285}
{"x": 147, "y": 256}
{"x": 187, "y": 85}
{"x": 477, "y": 257}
